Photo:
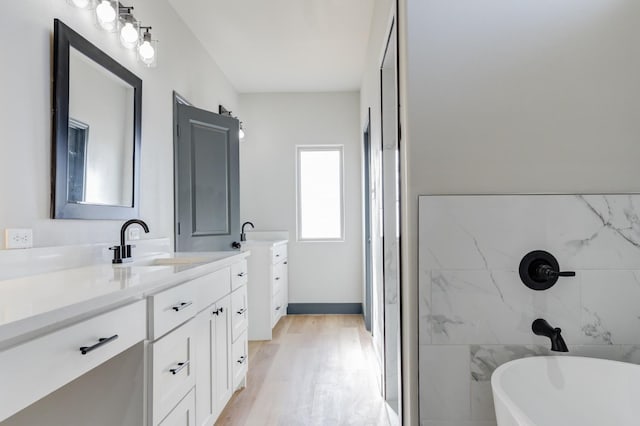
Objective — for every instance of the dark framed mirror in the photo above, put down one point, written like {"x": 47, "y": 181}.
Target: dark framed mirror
{"x": 97, "y": 112}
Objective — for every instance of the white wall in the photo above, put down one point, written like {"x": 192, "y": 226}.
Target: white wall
{"x": 517, "y": 97}
{"x": 319, "y": 272}
{"x": 25, "y": 118}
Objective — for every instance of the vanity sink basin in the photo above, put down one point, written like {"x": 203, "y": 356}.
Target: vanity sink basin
{"x": 567, "y": 391}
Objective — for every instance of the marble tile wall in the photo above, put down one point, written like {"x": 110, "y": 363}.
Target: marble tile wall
{"x": 475, "y": 313}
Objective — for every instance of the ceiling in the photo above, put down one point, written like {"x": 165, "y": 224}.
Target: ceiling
{"x": 283, "y": 45}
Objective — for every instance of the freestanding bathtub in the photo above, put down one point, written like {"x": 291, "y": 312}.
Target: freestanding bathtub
{"x": 566, "y": 391}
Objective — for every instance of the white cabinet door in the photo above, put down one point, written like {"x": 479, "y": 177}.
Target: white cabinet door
{"x": 221, "y": 349}
{"x": 203, "y": 355}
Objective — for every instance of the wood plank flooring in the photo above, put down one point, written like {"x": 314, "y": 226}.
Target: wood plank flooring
{"x": 319, "y": 370}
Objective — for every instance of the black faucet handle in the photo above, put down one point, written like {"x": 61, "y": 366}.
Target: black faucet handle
{"x": 567, "y": 274}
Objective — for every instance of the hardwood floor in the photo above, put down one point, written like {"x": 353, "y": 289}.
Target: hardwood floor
{"x": 318, "y": 370}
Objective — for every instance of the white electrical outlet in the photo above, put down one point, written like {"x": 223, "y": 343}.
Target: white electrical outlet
{"x": 18, "y": 238}
{"x": 134, "y": 234}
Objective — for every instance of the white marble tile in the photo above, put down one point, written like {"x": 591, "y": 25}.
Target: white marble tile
{"x": 482, "y": 407}
{"x": 424, "y": 307}
{"x": 494, "y": 232}
{"x": 486, "y": 358}
{"x": 444, "y": 383}
{"x": 494, "y": 307}
{"x": 611, "y": 306}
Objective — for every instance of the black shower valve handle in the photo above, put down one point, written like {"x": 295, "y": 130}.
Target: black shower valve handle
{"x": 548, "y": 271}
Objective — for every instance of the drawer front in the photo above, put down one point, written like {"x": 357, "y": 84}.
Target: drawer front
{"x": 239, "y": 274}
{"x": 279, "y": 253}
{"x": 182, "y": 414}
{"x": 212, "y": 287}
{"x": 172, "y": 370}
{"x": 240, "y": 358}
{"x": 45, "y": 364}
{"x": 240, "y": 313}
{"x": 278, "y": 277}
{"x": 277, "y": 309}
{"x": 170, "y": 308}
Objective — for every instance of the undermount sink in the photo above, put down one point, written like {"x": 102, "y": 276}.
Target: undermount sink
{"x": 567, "y": 391}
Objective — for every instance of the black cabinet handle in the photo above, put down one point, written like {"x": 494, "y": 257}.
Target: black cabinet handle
{"x": 241, "y": 274}
{"x": 277, "y": 278}
{"x": 277, "y": 255}
{"x": 181, "y": 306}
{"x": 101, "y": 342}
{"x": 242, "y": 359}
{"x": 241, "y": 311}
{"x": 179, "y": 368}
{"x": 218, "y": 311}
{"x": 286, "y": 262}
{"x": 278, "y": 308}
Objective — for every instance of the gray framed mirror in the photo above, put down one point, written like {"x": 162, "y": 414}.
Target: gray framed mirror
{"x": 97, "y": 111}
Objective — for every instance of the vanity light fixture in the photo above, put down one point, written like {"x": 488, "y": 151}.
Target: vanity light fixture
{"x": 129, "y": 28}
{"x": 241, "y": 132}
{"x": 223, "y": 111}
{"x": 148, "y": 49}
{"x": 107, "y": 14}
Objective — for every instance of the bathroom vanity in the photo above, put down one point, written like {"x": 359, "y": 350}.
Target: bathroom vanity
{"x": 188, "y": 312}
{"x": 269, "y": 287}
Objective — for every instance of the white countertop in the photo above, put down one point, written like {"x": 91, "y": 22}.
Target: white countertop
{"x": 37, "y": 304}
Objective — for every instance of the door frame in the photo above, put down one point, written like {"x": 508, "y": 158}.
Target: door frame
{"x": 368, "y": 234}
{"x": 177, "y": 99}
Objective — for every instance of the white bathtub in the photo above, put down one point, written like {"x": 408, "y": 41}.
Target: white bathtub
{"x": 566, "y": 391}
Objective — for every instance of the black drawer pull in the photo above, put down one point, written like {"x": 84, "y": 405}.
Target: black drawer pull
{"x": 241, "y": 274}
{"x": 181, "y": 306}
{"x": 218, "y": 311}
{"x": 277, "y": 255}
{"x": 278, "y": 308}
{"x": 285, "y": 262}
{"x": 179, "y": 368}
{"x": 277, "y": 278}
{"x": 242, "y": 359}
{"x": 86, "y": 349}
{"x": 241, "y": 311}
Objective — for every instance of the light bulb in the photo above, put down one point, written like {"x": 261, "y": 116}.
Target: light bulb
{"x": 82, "y": 4}
{"x": 241, "y": 133}
{"x": 146, "y": 52}
{"x": 106, "y": 14}
{"x": 129, "y": 35}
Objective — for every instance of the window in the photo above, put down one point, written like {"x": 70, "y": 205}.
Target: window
{"x": 320, "y": 193}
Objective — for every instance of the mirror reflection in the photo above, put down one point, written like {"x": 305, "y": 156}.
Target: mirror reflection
{"x": 101, "y": 135}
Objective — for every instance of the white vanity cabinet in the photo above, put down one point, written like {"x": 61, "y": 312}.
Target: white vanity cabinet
{"x": 185, "y": 326}
{"x": 268, "y": 290}
{"x": 197, "y": 357}
{"x": 38, "y": 367}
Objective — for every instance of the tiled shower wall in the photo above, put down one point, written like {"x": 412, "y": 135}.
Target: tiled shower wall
{"x": 475, "y": 312}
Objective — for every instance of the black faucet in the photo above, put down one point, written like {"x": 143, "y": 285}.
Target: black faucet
{"x": 543, "y": 328}
{"x": 122, "y": 253}
{"x": 243, "y": 236}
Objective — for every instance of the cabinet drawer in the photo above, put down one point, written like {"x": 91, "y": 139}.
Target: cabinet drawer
{"x": 239, "y": 274}
{"x": 239, "y": 310}
{"x": 40, "y": 366}
{"x": 170, "y": 308}
{"x": 279, "y": 253}
{"x": 212, "y": 287}
{"x": 240, "y": 358}
{"x": 172, "y": 370}
{"x": 278, "y": 277}
{"x": 183, "y": 414}
{"x": 277, "y": 308}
